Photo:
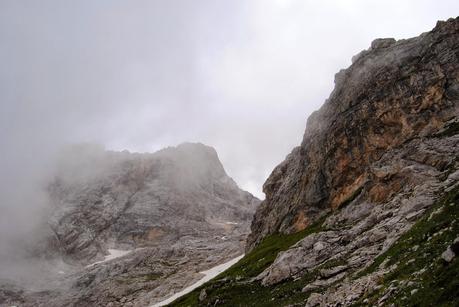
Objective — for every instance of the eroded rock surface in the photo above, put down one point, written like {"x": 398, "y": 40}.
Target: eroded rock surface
{"x": 392, "y": 93}
{"x": 353, "y": 236}
{"x": 366, "y": 211}
{"x": 382, "y": 150}
{"x": 123, "y": 200}
{"x": 176, "y": 211}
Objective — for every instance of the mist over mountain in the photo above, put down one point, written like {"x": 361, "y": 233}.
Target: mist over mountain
{"x": 168, "y": 214}
{"x": 109, "y": 197}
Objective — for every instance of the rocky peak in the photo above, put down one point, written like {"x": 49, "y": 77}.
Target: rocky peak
{"x": 196, "y": 157}
{"x": 192, "y": 164}
{"x": 393, "y": 92}
{"x": 106, "y": 199}
{"x": 131, "y": 229}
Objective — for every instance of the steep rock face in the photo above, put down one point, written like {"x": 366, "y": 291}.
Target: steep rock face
{"x": 107, "y": 200}
{"x": 365, "y": 212}
{"x": 402, "y": 251}
{"x": 393, "y": 92}
{"x": 166, "y": 216}
{"x": 354, "y": 235}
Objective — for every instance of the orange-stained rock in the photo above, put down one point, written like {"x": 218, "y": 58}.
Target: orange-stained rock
{"x": 394, "y": 92}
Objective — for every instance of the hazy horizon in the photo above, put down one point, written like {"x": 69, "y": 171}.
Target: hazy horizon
{"x": 240, "y": 76}
{"x": 81, "y": 77}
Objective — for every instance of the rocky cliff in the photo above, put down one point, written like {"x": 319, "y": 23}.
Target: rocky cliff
{"x": 365, "y": 211}
{"x": 393, "y": 93}
{"x": 168, "y": 214}
{"x": 107, "y": 200}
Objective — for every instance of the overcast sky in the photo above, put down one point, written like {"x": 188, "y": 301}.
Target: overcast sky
{"x": 241, "y": 76}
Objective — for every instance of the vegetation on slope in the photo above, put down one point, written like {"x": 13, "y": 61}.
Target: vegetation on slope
{"x": 421, "y": 277}
{"x": 236, "y": 287}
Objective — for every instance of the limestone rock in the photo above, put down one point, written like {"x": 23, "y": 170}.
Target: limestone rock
{"x": 175, "y": 211}
{"x": 393, "y": 93}
{"x": 202, "y": 295}
{"x": 448, "y": 255}
{"x": 378, "y": 154}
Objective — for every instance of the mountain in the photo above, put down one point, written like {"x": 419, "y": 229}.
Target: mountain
{"x": 112, "y": 199}
{"x": 365, "y": 211}
{"x": 169, "y": 214}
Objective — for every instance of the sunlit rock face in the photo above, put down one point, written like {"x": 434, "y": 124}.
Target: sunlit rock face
{"x": 393, "y": 93}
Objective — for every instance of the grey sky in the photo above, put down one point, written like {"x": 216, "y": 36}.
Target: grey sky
{"x": 241, "y": 76}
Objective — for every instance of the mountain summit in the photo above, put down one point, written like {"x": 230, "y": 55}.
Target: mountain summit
{"x": 109, "y": 199}
{"x": 133, "y": 228}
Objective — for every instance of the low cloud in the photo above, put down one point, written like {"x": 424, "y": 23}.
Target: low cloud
{"x": 241, "y": 76}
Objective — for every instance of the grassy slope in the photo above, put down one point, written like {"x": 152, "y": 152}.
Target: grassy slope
{"x": 234, "y": 286}
{"x": 419, "y": 248}
{"x": 417, "y": 255}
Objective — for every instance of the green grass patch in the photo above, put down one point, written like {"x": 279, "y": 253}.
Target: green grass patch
{"x": 264, "y": 254}
{"x": 230, "y": 292}
{"x": 235, "y": 287}
{"x": 417, "y": 256}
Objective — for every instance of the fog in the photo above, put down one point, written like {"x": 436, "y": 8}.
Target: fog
{"x": 241, "y": 76}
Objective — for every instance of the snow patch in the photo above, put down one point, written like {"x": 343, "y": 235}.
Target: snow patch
{"x": 112, "y": 254}
{"x": 208, "y": 275}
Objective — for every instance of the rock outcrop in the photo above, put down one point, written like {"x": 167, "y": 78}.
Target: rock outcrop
{"x": 393, "y": 93}
{"x": 375, "y": 158}
{"x": 355, "y": 235}
{"x": 122, "y": 200}
{"x": 365, "y": 212}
